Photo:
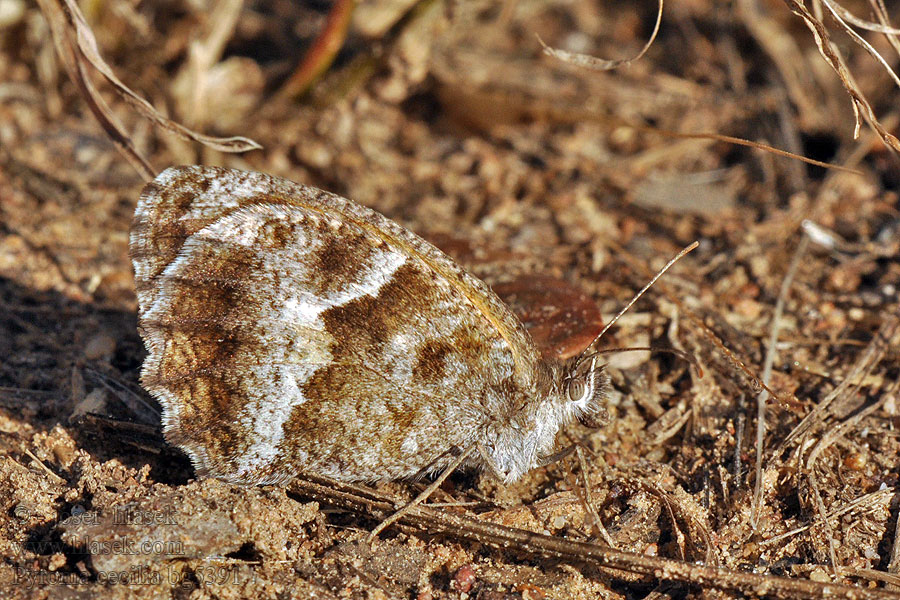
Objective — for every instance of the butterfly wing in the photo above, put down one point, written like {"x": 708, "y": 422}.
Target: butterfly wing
{"x": 289, "y": 329}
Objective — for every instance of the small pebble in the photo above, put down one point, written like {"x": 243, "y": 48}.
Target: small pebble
{"x": 464, "y": 578}
{"x": 100, "y": 346}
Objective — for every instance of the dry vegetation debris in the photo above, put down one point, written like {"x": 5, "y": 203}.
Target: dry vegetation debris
{"x": 783, "y": 459}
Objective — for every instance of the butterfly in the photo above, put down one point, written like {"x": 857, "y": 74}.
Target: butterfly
{"x": 291, "y": 330}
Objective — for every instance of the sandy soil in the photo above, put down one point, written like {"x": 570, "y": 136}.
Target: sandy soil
{"x": 564, "y": 188}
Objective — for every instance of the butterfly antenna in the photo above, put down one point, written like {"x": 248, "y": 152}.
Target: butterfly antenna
{"x": 678, "y": 257}
{"x": 679, "y": 353}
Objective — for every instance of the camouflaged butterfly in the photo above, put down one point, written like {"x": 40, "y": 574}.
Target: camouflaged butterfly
{"x": 291, "y": 330}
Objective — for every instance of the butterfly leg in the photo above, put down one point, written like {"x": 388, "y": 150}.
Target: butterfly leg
{"x": 421, "y": 497}
{"x": 561, "y": 454}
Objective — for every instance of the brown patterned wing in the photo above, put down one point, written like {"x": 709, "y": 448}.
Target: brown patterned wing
{"x": 291, "y": 330}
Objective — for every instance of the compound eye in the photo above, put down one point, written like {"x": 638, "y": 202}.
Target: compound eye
{"x": 577, "y": 390}
{"x": 583, "y": 381}
{"x": 586, "y": 390}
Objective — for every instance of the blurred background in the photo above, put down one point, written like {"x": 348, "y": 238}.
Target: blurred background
{"x": 565, "y": 188}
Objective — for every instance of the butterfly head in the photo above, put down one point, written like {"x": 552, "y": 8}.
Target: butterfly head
{"x": 585, "y": 386}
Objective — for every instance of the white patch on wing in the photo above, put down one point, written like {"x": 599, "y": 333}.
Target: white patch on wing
{"x": 302, "y": 310}
{"x": 234, "y": 233}
{"x": 279, "y": 381}
{"x": 410, "y": 445}
{"x": 266, "y": 419}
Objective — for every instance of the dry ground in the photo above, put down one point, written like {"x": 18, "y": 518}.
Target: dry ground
{"x": 450, "y": 121}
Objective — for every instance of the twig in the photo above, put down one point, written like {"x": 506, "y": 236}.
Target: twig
{"x": 866, "y": 362}
{"x": 828, "y": 51}
{"x": 76, "y": 46}
{"x": 323, "y": 51}
{"x": 590, "y": 509}
{"x": 827, "y": 440}
{"x": 763, "y": 396}
{"x": 422, "y": 496}
{"x": 364, "y": 501}
{"x": 44, "y": 467}
{"x": 600, "y": 64}
{"x": 869, "y": 498}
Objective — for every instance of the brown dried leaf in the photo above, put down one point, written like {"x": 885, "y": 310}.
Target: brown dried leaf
{"x": 562, "y": 319}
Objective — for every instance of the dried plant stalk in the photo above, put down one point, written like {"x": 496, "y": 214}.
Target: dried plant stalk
{"x": 77, "y": 48}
